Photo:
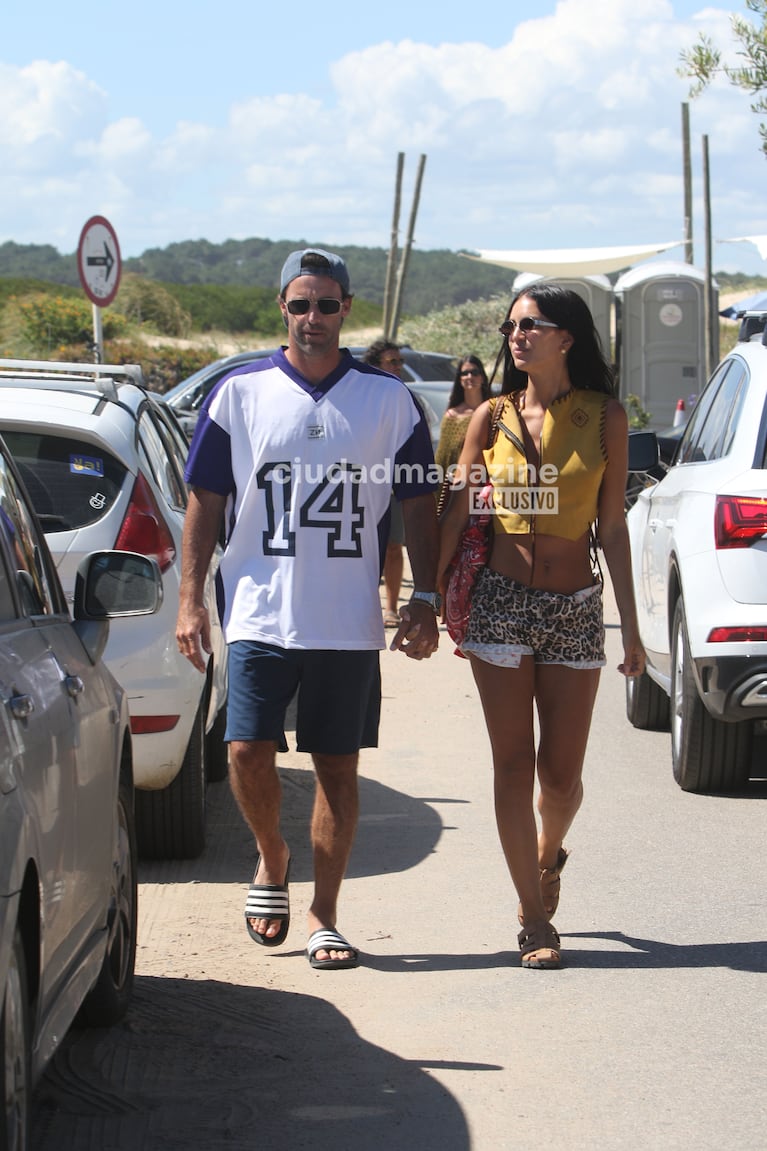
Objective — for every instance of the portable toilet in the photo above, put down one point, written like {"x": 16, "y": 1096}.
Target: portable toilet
{"x": 661, "y": 337}
{"x": 595, "y": 290}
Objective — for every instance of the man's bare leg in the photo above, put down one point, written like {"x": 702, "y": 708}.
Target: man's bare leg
{"x": 334, "y": 824}
{"x": 256, "y": 786}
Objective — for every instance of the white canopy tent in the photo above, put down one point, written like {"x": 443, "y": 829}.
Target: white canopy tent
{"x": 571, "y": 261}
{"x": 759, "y": 242}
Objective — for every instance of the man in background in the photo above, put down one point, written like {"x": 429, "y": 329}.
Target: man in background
{"x": 388, "y": 356}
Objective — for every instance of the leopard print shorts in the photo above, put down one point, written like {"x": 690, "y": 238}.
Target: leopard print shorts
{"x": 509, "y": 620}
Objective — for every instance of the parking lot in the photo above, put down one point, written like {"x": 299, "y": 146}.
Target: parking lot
{"x": 653, "y": 1035}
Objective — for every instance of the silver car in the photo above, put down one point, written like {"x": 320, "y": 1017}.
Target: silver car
{"x": 67, "y": 836}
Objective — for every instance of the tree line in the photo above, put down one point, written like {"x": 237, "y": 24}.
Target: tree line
{"x": 436, "y": 279}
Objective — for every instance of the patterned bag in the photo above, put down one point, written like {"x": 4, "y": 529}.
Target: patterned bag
{"x": 470, "y": 556}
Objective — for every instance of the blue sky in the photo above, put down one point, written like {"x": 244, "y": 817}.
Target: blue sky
{"x": 546, "y": 125}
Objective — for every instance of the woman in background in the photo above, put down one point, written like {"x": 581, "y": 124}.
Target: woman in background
{"x": 470, "y": 388}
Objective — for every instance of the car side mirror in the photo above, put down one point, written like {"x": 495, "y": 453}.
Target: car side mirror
{"x": 111, "y": 584}
{"x": 643, "y": 451}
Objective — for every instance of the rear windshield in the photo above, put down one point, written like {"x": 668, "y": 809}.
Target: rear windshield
{"x": 428, "y": 367}
{"x": 71, "y": 483}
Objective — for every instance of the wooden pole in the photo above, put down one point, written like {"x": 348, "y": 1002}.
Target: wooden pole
{"x": 406, "y": 250}
{"x": 687, "y": 164}
{"x": 393, "y": 247}
{"x": 710, "y": 317}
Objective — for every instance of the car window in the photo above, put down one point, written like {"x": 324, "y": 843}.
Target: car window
{"x": 687, "y": 452}
{"x": 714, "y": 423}
{"x": 174, "y": 432}
{"x": 72, "y": 483}
{"x": 33, "y": 580}
{"x": 158, "y": 455}
{"x": 426, "y": 366}
{"x": 7, "y": 602}
{"x": 737, "y": 384}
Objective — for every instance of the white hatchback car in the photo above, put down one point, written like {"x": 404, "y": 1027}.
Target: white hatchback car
{"x": 699, "y": 561}
{"x": 103, "y": 463}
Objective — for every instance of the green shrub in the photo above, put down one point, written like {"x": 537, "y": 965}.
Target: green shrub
{"x": 163, "y": 366}
{"x": 150, "y": 304}
{"x": 467, "y": 329}
{"x": 638, "y": 417}
{"x": 46, "y": 323}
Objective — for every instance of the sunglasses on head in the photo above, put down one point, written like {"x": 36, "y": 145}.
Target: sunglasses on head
{"x": 526, "y": 324}
{"x": 327, "y": 305}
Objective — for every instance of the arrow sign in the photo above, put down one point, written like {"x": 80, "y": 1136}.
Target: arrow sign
{"x": 98, "y": 261}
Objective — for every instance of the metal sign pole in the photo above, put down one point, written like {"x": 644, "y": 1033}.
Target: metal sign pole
{"x": 98, "y": 336}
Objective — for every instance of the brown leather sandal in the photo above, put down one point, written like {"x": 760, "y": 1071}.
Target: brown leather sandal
{"x": 549, "y": 886}
{"x": 540, "y": 947}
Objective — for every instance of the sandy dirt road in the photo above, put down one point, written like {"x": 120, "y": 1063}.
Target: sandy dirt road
{"x": 653, "y": 1036}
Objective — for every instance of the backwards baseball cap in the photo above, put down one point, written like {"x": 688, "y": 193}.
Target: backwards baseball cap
{"x": 314, "y": 262}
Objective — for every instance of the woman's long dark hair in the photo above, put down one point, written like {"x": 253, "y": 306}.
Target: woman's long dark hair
{"x": 456, "y": 395}
{"x": 586, "y": 363}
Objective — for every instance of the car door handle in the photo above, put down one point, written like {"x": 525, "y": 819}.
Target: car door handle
{"x": 74, "y": 685}
{"x": 21, "y": 706}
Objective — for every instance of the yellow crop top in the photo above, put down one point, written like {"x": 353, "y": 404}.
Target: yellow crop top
{"x": 560, "y": 498}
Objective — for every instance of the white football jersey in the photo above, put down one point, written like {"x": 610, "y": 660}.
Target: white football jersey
{"x": 308, "y": 471}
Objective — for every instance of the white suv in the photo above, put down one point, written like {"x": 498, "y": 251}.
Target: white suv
{"x": 103, "y": 463}
{"x": 699, "y": 561}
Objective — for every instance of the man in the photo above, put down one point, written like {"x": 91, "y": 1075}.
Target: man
{"x": 387, "y": 355}
{"x": 301, "y": 451}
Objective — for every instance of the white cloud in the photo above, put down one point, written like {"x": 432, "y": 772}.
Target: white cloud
{"x": 567, "y": 134}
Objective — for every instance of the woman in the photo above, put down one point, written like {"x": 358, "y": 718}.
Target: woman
{"x": 535, "y": 634}
{"x": 470, "y": 388}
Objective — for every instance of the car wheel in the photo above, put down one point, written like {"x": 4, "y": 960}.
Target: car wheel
{"x": 708, "y": 755}
{"x": 216, "y": 749}
{"x": 170, "y": 823}
{"x": 108, "y": 1000}
{"x": 647, "y": 705}
{"x": 15, "y": 1052}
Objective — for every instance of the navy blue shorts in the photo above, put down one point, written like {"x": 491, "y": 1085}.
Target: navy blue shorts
{"x": 338, "y": 703}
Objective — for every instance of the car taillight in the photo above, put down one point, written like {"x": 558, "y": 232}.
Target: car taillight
{"x": 756, "y": 634}
{"x": 739, "y": 521}
{"x": 143, "y": 529}
{"x": 151, "y": 724}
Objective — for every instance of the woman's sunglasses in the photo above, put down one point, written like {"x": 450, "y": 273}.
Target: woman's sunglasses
{"x": 327, "y": 305}
{"x": 526, "y": 324}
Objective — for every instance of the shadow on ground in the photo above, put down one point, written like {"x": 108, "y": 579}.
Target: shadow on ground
{"x": 222, "y": 1067}
{"x": 396, "y": 832}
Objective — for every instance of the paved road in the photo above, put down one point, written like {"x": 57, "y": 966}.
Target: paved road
{"x": 651, "y": 1037}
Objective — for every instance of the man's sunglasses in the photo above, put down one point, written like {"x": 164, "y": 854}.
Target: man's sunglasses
{"x": 526, "y": 324}
{"x": 327, "y": 305}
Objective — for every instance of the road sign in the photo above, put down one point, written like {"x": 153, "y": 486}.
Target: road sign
{"x": 98, "y": 261}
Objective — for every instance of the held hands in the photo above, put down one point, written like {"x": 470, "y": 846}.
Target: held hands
{"x": 417, "y": 635}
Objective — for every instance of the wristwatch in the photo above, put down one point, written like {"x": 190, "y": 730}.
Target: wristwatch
{"x": 432, "y": 598}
